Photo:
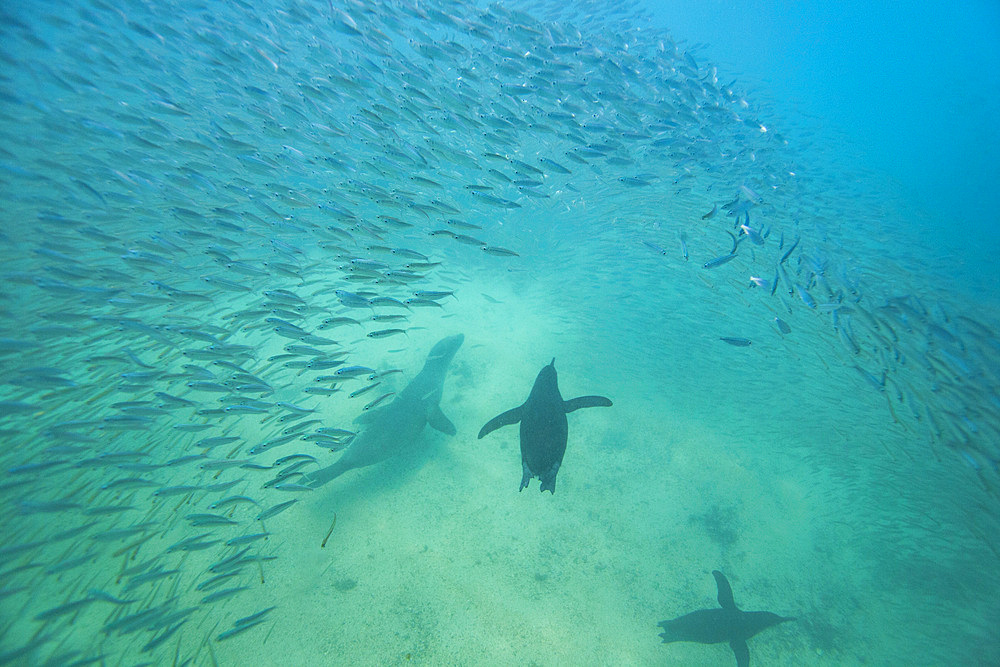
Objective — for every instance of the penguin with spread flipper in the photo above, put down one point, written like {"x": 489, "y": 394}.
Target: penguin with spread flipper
{"x": 727, "y": 623}
{"x": 544, "y": 428}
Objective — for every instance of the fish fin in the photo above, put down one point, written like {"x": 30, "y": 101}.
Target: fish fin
{"x": 586, "y": 402}
{"x": 725, "y": 591}
{"x": 439, "y": 422}
{"x": 512, "y": 416}
{"x": 741, "y": 651}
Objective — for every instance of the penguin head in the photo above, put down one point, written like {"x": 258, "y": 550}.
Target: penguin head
{"x": 547, "y": 379}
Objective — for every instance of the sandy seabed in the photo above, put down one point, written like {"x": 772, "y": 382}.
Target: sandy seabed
{"x": 435, "y": 558}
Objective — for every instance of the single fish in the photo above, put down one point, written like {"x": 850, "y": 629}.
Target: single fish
{"x": 738, "y": 342}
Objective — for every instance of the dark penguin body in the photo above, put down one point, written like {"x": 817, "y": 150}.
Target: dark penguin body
{"x": 544, "y": 428}
{"x": 726, "y": 624}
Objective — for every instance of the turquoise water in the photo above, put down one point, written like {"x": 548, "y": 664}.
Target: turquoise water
{"x": 211, "y": 208}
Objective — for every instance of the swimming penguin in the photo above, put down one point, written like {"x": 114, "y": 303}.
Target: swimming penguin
{"x": 543, "y": 427}
{"x": 727, "y": 623}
